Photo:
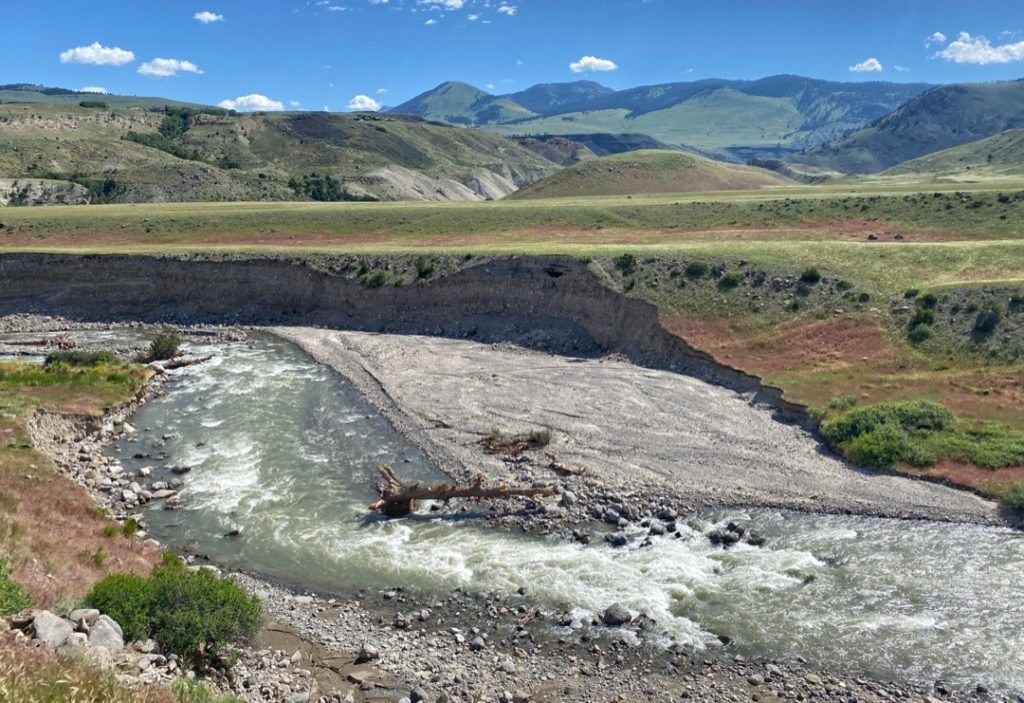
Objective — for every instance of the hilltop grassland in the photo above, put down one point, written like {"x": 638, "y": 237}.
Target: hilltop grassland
{"x": 845, "y": 295}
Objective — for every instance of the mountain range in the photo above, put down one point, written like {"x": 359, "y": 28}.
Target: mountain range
{"x": 730, "y": 119}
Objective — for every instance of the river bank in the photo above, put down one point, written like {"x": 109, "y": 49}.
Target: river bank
{"x": 522, "y": 650}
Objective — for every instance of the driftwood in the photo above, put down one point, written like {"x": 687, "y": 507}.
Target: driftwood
{"x": 398, "y": 499}
{"x": 562, "y": 468}
{"x": 171, "y": 364}
{"x": 61, "y": 342}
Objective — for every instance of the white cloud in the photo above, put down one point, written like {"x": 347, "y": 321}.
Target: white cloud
{"x": 430, "y": 22}
{"x": 901, "y": 69}
{"x": 473, "y": 17}
{"x": 447, "y": 4}
{"x": 505, "y": 9}
{"x": 489, "y": 86}
{"x": 336, "y": 8}
{"x": 94, "y": 89}
{"x": 206, "y": 17}
{"x": 363, "y": 103}
{"x": 381, "y": 91}
{"x": 162, "y": 68}
{"x": 251, "y": 103}
{"x": 378, "y": 2}
{"x": 592, "y": 63}
{"x": 935, "y": 38}
{"x": 978, "y": 50}
{"x": 871, "y": 65}
{"x": 98, "y": 55}
{"x": 294, "y": 103}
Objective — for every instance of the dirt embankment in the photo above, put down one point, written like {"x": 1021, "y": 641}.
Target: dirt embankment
{"x": 557, "y": 304}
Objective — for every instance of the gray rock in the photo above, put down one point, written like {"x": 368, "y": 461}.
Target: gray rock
{"x": 300, "y": 697}
{"x": 87, "y": 615}
{"x": 507, "y": 666}
{"x": 418, "y": 695}
{"x": 367, "y": 653}
{"x": 520, "y": 697}
{"x": 617, "y": 615}
{"x": 477, "y": 643}
{"x": 77, "y": 640}
{"x": 106, "y": 633}
{"x": 51, "y": 629}
{"x": 568, "y": 499}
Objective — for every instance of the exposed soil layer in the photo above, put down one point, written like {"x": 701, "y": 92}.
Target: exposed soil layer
{"x": 552, "y": 303}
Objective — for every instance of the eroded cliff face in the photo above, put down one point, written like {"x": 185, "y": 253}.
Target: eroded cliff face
{"x": 553, "y": 303}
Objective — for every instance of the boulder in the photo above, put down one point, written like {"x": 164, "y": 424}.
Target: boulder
{"x": 51, "y": 629}
{"x": 87, "y": 615}
{"x": 617, "y": 615}
{"x": 367, "y": 653}
{"x": 107, "y": 634}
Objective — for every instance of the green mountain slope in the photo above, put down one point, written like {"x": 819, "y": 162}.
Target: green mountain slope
{"x": 462, "y": 104}
{"x": 133, "y": 155}
{"x": 549, "y": 98}
{"x": 647, "y": 172}
{"x": 735, "y": 120}
{"x": 942, "y": 118}
{"x": 1002, "y": 154}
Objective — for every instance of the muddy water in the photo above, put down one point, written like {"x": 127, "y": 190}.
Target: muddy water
{"x": 286, "y": 451}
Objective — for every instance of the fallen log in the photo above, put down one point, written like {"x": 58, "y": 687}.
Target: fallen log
{"x": 172, "y": 364}
{"x": 398, "y": 499}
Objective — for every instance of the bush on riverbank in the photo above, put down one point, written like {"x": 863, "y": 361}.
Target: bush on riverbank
{"x": 1011, "y": 495}
{"x": 920, "y": 433}
{"x": 195, "y": 691}
{"x": 193, "y": 614}
{"x": 78, "y": 357}
{"x": 165, "y": 345}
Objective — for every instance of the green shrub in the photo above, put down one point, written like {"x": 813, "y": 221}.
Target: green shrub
{"x": 424, "y": 268}
{"x": 373, "y": 280}
{"x": 929, "y": 300}
{"x": 195, "y": 691}
{"x": 987, "y": 321}
{"x": 910, "y": 416}
{"x": 922, "y": 317}
{"x": 804, "y": 289}
{"x": 919, "y": 334}
{"x": 165, "y": 345}
{"x": 126, "y": 598}
{"x": 810, "y": 276}
{"x": 195, "y": 614}
{"x": 730, "y": 281}
{"x": 844, "y": 284}
{"x": 626, "y": 263}
{"x": 192, "y": 614}
{"x": 842, "y": 403}
{"x": 13, "y": 598}
{"x": 882, "y": 447}
{"x": 911, "y": 293}
{"x": 78, "y": 357}
{"x": 697, "y": 269}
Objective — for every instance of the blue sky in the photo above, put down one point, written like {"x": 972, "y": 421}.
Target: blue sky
{"x": 316, "y": 54}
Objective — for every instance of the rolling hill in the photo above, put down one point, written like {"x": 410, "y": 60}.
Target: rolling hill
{"x": 649, "y": 172}
{"x": 140, "y": 155}
{"x": 462, "y": 104}
{"x": 733, "y": 120}
{"x": 942, "y": 118}
{"x": 31, "y": 93}
{"x": 1001, "y": 155}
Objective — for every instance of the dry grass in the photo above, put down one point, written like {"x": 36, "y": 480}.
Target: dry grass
{"x": 50, "y": 528}
{"x": 38, "y": 675}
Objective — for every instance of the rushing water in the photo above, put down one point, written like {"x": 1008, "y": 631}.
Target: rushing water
{"x": 286, "y": 451}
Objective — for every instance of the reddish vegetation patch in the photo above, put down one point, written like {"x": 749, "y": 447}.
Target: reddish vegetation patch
{"x": 968, "y": 475}
{"x": 807, "y": 345}
{"x": 58, "y": 533}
